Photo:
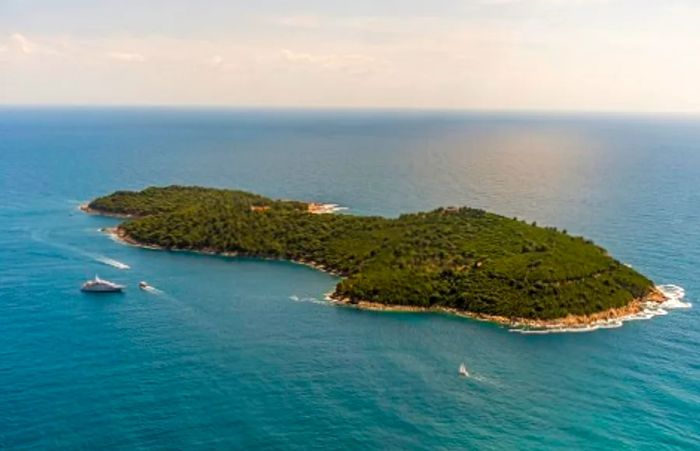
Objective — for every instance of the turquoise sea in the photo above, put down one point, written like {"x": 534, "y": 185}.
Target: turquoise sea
{"x": 237, "y": 353}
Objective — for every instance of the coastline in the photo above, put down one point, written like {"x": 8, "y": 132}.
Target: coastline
{"x": 118, "y": 234}
{"x": 638, "y": 308}
{"x": 607, "y": 318}
{"x": 85, "y": 208}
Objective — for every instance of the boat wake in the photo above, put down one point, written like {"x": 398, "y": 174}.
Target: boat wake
{"x": 674, "y": 294}
{"x": 152, "y": 290}
{"x": 111, "y": 262}
{"x": 478, "y": 378}
{"x": 482, "y": 380}
{"x": 40, "y": 237}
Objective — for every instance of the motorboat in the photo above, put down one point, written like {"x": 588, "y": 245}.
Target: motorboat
{"x": 98, "y": 285}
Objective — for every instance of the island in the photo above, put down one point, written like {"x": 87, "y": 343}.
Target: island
{"x": 454, "y": 259}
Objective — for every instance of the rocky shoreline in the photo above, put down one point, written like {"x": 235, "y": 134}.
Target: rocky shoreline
{"x": 120, "y": 235}
{"x": 571, "y": 322}
{"x": 85, "y": 208}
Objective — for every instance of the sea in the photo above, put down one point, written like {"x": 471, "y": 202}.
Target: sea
{"x": 242, "y": 353}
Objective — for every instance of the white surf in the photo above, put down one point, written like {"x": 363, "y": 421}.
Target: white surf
{"x": 674, "y": 295}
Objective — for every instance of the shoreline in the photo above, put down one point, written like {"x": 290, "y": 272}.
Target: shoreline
{"x": 85, "y": 208}
{"x": 605, "y": 319}
{"x": 119, "y": 235}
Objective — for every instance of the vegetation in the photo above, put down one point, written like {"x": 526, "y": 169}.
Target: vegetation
{"x": 461, "y": 258}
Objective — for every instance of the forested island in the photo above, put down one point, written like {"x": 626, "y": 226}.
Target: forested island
{"x": 455, "y": 259}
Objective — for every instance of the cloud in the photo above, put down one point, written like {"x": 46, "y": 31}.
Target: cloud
{"x": 298, "y": 21}
{"x": 18, "y": 45}
{"x": 351, "y": 62}
{"x": 542, "y": 2}
{"x": 214, "y": 61}
{"x": 128, "y": 57}
{"x": 22, "y": 43}
{"x": 479, "y": 57}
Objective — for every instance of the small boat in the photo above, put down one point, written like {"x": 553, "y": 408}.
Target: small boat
{"x": 98, "y": 285}
{"x": 143, "y": 285}
{"x": 463, "y": 371}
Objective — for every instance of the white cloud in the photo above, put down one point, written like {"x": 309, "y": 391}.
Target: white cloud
{"x": 352, "y": 62}
{"x": 22, "y": 43}
{"x": 214, "y": 61}
{"x": 518, "y": 59}
{"x": 128, "y": 57}
{"x": 299, "y": 21}
{"x": 18, "y": 45}
{"x": 542, "y": 2}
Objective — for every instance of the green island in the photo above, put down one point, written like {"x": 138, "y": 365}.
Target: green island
{"x": 463, "y": 260}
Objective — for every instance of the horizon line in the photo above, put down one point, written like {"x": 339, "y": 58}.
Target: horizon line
{"x": 348, "y": 108}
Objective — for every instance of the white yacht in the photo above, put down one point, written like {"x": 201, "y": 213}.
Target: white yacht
{"x": 98, "y": 285}
{"x": 463, "y": 370}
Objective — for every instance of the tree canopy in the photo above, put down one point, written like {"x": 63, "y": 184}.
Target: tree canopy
{"x": 461, "y": 258}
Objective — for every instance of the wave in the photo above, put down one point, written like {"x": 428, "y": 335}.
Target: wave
{"x": 112, "y": 236}
{"x": 612, "y": 324}
{"x": 674, "y": 295}
{"x": 563, "y": 330}
{"x": 307, "y": 299}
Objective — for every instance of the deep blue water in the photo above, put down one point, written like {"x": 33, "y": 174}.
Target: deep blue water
{"x": 243, "y": 353}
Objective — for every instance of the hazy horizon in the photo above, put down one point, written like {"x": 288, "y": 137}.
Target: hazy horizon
{"x": 613, "y": 56}
{"x": 350, "y": 109}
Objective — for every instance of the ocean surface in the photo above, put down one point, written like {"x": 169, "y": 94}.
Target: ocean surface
{"x": 238, "y": 353}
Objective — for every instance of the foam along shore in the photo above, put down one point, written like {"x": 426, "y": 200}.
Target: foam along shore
{"x": 656, "y": 303}
{"x": 673, "y": 298}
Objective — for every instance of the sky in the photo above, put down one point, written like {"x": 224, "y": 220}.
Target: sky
{"x": 558, "y": 55}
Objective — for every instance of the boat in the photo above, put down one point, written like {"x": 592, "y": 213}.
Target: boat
{"x": 143, "y": 285}
{"x": 463, "y": 370}
{"x": 98, "y": 285}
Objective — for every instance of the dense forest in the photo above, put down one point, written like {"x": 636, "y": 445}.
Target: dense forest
{"x": 461, "y": 258}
